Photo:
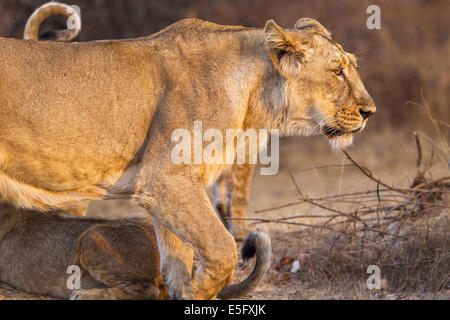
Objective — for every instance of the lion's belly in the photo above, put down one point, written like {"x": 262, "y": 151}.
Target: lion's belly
{"x": 72, "y": 116}
{"x": 66, "y": 168}
{"x": 70, "y": 149}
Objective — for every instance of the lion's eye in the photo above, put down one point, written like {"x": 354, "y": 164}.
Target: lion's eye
{"x": 339, "y": 72}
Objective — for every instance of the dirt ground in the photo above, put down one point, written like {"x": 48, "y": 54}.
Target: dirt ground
{"x": 389, "y": 155}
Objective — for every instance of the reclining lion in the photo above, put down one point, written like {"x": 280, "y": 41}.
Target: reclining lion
{"x": 118, "y": 259}
{"x": 94, "y": 120}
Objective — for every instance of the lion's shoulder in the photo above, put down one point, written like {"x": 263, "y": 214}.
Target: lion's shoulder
{"x": 192, "y": 29}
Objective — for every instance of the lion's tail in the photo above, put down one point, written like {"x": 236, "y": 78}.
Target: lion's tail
{"x": 40, "y": 14}
{"x": 257, "y": 243}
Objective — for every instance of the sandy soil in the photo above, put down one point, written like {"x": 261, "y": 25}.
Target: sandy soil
{"x": 389, "y": 156}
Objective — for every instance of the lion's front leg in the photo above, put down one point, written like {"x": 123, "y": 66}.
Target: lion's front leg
{"x": 176, "y": 261}
{"x": 180, "y": 205}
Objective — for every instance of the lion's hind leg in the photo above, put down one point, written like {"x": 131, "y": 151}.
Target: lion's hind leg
{"x": 232, "y": 193}
{"x": 123, "y": 257}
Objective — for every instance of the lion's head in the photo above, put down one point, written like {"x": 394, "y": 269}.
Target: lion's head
{"x": 324, "y": 92}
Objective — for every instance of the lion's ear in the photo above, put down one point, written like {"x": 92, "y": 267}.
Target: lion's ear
{"x": 311, "y": 24}
{"x": 286, "y": 50}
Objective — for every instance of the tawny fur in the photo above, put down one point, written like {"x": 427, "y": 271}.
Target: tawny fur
{"x": 86, "y": 121}
{"x": 118, "y": 259}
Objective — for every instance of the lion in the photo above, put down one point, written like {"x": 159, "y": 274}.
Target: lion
{"x": 231, "y": 190}
{"x": 118, "y": 259}
{"x": 94, "y": 120}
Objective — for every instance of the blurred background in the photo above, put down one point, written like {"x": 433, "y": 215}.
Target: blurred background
{"x": 405, "y": 66}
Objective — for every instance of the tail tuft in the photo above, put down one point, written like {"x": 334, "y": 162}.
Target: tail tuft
{"x": 257, "y": 244}
{"x": 249, "y": 248}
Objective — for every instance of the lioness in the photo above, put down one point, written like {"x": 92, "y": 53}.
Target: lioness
{"x": 118, "y": 259}
{"x": 231, "y": 190}
{"x": 86, "y": 121}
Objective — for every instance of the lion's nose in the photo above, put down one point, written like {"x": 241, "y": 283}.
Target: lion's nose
{"x": 367, "y": 112}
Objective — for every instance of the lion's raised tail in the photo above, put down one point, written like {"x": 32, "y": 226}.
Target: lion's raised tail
{"x": 257, "y": 243}
{"x": 40, "y": 14}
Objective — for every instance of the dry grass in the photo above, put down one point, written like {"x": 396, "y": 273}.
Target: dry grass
{"x": 414, "y": 265}
{"x": 403, "y": 230}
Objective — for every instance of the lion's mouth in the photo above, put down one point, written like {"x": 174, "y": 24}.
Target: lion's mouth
{"x": 332, "y": 132}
